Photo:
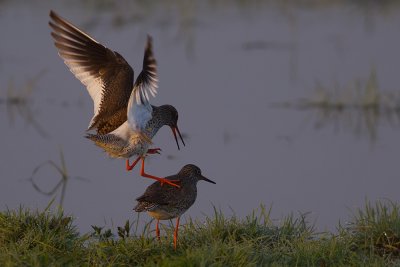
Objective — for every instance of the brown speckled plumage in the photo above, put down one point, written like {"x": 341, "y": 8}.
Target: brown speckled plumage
{"x": 124, "y": 120}
{"x": 92, "y": 62}
{"x": 107, "y": 124}
{"x": 135, "y": 144}
{"x": 168, "y": 202}
{"x": 164, "y": 202}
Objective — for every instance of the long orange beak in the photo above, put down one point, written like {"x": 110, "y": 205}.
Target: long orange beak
{"x": 174, "y": 130}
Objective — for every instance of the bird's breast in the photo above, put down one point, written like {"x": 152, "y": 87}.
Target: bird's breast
{"x": 139, "y": 143}
{"x": 161, "y": 214}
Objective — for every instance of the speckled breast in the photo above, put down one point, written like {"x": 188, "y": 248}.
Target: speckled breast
{"x": 136, "y": 146}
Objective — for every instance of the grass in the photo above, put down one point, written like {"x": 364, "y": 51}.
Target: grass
{"x": 43, "y": 238}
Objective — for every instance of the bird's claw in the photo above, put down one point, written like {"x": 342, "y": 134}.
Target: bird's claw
{"x": 154, "y": 151}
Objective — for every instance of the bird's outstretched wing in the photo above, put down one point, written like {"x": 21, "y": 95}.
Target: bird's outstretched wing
{"x": 105, "y": 73}
{"x": 139, "y": 108}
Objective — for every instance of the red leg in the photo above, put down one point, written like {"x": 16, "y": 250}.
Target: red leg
{"x": 154, "y": 150}
{"x": 176, "y": 233}
{"x": 158, "y": 230}
{"x": 161, "y": 180}
{"x": 130, "y": 167}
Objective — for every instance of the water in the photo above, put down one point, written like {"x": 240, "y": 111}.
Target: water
{"x": 225, "y": 66}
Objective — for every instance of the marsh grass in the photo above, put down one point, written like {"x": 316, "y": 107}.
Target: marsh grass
{"x": 33, "y": 238}
{"x": 38, "y": 238}
{"x": 377, "y": 228}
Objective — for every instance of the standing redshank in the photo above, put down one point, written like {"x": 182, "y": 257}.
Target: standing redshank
{"x": 124, "y": 119}
{"x": 168, "y": 202}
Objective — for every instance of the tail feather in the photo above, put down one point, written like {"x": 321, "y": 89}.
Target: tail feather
{"x": 108, "y": 142}
{"x": 145, "y": 206}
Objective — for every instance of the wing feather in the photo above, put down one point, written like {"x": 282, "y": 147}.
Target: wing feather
{"x": 139, "y": 108}
{"x": 158, "y": 194}
{"x": 105, "y": 73}
{"x": 145, "y": 206}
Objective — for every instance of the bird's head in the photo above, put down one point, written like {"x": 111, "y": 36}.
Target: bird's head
{"x": 193, "y": 172}
{"x": 172, "y": 121}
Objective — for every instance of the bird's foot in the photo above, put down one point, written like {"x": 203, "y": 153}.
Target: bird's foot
{"x": 154, "y": 151}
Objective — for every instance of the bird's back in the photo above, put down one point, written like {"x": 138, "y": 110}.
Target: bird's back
{"x": 108, "y": 123}
{"x": 168, "y": 199}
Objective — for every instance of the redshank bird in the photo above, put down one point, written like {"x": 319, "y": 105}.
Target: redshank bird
{"x": 124, "y": 120}
{"x": 168, "y": 202}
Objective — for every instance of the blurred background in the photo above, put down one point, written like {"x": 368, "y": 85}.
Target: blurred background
{"x": 291, "y": 104}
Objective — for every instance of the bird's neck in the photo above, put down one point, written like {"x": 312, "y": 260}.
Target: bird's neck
{"x": 160, "y": 114}
{"x": 152, "y": 128}
{"x": 187, "y": 180}
{"x": 155, "y": 123}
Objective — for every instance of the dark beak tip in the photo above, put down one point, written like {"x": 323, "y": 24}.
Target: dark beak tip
{"x": 180, "y": 135}
{"x": 208, "y": 180}
{"x": 176, "y": 138}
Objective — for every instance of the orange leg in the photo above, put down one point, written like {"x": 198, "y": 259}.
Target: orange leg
{"x": 130, "y": 167}
{"x": 158, "y": 230}
{"x": 176, "y": 233}
{"x": 149, "y": 151}
{"x": 161, "y": 180}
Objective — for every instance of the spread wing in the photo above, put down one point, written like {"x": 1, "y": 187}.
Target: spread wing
{"x": 105, "y": 73}
{"x": 139, "y": 108}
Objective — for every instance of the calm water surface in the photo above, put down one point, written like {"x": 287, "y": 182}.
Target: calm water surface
{"x": 224, "y": 66}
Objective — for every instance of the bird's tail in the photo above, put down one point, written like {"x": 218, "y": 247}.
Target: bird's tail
{"x": 144, "y": 206}
{"x": 108, "y": 142}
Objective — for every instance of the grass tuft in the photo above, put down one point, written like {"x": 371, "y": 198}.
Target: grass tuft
{"x": 37, "y": 238}
{"x": 376, "y": 229}
{"x": 49, "y": 238}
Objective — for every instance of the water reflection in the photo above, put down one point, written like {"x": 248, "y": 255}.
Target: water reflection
{"x": 360, "y": 108}
{"x": 18, "y": 103}
{"x": 188, "y": 12}
{"x": 64, "y": 177}
{"x": 268, "y": 45}
{"x": 189, "y": 16}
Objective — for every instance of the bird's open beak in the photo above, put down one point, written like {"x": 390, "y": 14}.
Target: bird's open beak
{"x": 207, "y": 180}
{"x": 174, "y": 130}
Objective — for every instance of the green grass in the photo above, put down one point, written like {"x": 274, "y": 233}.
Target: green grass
{"x": 43, "y": 238}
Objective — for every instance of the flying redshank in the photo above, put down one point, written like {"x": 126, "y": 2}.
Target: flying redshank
{"x": 124, "y": 120}
{"x": 168, "y": 202}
